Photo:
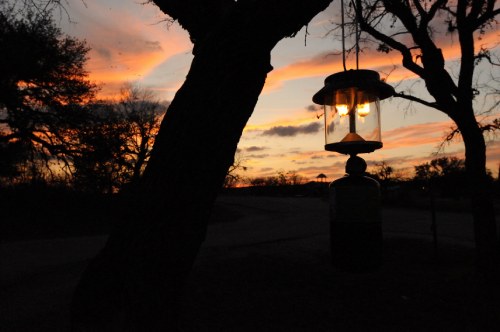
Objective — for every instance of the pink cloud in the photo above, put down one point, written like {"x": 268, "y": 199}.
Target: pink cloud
{"x": 419, "y": 134}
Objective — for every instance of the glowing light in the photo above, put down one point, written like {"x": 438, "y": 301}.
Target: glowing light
{"x": 343, "y": 110}
{"x": 363, "y": 109}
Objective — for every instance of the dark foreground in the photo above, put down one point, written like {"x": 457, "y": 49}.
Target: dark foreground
{"x": 266, "y": 267}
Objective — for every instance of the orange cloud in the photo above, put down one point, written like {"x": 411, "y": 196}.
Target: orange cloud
{"x": 116, "y": 64}
{"x": 326, "y": 63}
{"x": 388, "y": 65}
{"x": 127, "y": 51}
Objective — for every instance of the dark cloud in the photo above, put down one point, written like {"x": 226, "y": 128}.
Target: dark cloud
{"x": 258, "y": 156}
{"x": 266, "y": 169}
{"x": 314, "y": 108}
{"x": 339, "y": 164}
{"x": 289, "y": 131}
{"x": 153, "y": 45}
{"x": 132, "y": 47}
{"x": 333, "y": 155}
{"x": 103, "y": 52}
{"x": 255, "y": 148}
{"x": 317, "y": 157}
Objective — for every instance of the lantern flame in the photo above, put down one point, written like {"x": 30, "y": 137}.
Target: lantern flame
{"x": 343, "y": 110}
{"x": 363, "y": 109}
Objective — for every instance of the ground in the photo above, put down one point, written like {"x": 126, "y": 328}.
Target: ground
{"x": 265, "y": 266}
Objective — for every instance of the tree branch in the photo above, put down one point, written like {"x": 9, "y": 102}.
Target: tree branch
{"x": 454, "y": 131}
{"x": 419, "y": 100}
{"x": 493, "y": 126}
{"x": 196, "y": 16}
{"x": 420, "y": 9}
{"x": 488, "y": 15}
{"x": 6, "y": 138}
{"x": 403, "y": 49}
{"x": 202, "y": 18}
{"x": 476, "y": 7}
{"x": 435, "y": 7}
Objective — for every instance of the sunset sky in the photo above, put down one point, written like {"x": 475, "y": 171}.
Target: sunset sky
{"x": 130, "y": 43}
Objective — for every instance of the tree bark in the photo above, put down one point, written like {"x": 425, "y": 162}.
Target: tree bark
{"x": 481, "y": 192}
{"x": 136, "y": 281}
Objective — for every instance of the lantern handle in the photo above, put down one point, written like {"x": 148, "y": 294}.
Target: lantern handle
{"x": 342, "y": 25}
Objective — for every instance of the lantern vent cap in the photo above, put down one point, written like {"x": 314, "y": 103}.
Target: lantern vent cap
{"x": 364, "y": 80}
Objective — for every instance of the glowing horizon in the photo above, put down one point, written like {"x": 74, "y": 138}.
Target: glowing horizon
{"x": 129, "y": 46}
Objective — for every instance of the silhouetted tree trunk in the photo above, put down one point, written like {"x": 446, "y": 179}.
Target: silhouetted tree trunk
{"x": 481, "y": 192}
{"x": 135, "y": 283}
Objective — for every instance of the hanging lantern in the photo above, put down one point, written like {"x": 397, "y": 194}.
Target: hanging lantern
{"x": 351, "y": 101}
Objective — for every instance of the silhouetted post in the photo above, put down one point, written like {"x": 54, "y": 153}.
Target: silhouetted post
{"x": 355, "y": 219}
{"x": 433, "y": 220}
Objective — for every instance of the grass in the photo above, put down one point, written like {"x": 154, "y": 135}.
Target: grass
{"x": 264, "y": 289}
{"x": 286, "y": 285}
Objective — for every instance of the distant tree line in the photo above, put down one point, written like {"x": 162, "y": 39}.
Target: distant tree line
{"x": 281, "y": 178}
{"x": 444, "y": 176}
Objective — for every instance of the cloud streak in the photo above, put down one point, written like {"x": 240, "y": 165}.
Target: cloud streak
{"x": 258, "y": 156}
{"x": 255, "y": 148}
{"x": 326, "y": 63}
{"x": 290, "y": 131}
{"x": 419, "y": 134}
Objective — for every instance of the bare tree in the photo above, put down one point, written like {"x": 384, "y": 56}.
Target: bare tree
{"x": 112, "y": 145}
{"x": 143, "y": 112}
{"x": 384, "y": 171}
{"x": 232, "y": 176}
{"x": 414, "y": 28}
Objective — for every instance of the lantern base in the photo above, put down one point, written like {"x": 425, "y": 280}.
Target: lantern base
{"x": 354, "y": 147}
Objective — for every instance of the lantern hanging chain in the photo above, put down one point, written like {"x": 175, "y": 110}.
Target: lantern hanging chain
{"x": 357, "y": 33}
{"x": 343, "y": 33}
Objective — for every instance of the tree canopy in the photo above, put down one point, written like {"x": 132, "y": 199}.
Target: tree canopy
{"x": 43, "y": 85}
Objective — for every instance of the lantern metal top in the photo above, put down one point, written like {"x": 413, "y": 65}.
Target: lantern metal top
{"x": 354, "y": 147}
{"x": 363, "y": 79}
